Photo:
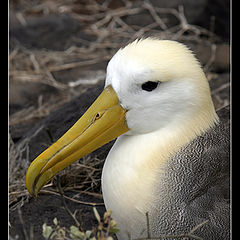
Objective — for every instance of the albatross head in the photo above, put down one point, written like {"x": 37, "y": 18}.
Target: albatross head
{"x": 158, "y": 82}
{"x": 150, "y": 84}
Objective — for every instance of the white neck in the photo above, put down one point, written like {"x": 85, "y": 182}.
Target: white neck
{"x": 134, "y": 165}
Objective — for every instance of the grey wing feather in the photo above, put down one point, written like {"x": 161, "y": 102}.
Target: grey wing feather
{"x": 203, "y": 191}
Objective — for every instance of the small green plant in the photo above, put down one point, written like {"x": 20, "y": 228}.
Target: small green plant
{"x": 106, "y": 227}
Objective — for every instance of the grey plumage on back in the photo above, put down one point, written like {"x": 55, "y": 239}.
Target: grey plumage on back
{"x": 196, "y": 187}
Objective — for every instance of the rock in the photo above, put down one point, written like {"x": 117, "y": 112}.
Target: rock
{"x": 53, "y": 32}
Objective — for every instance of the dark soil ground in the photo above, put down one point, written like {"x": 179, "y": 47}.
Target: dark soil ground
{"x": 59, "y": 51}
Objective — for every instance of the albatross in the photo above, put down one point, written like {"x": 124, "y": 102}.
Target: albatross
{"x": 168, "y": 170}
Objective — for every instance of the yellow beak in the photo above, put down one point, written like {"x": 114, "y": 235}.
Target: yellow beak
{"x": 101, "y": 123}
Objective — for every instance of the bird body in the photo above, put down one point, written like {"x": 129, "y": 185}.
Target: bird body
{"x": 178, "y": 193}
{"x": 167, "y": 171}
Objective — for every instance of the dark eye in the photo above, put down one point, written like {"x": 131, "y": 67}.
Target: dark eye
{"x": 149, "y": 86}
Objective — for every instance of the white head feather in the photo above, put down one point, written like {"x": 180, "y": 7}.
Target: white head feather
{"x": 182, "y": 91}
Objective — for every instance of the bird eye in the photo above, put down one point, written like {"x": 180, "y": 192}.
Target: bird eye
{"x": 149, "y": 86}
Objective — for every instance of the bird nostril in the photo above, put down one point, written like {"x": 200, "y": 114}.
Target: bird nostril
{"x": 98, "y": 115}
